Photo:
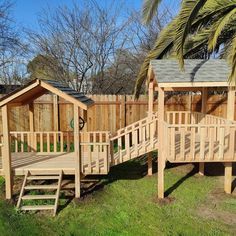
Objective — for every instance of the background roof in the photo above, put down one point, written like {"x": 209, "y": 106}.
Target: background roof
{"x": 212, "y": 70}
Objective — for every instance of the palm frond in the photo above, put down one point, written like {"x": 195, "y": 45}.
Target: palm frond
{"x": 219, "y": 27}
{"x": 161, "y": 48}
{"x": 187, "y": 15}
{"x": 196, "y": 44}
{"x": 149, "y": 10}
{"x": 212, "y": 11}
{"x": 232, "y": 61}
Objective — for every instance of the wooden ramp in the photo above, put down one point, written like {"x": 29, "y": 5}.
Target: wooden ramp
{"x": 36, "y": 192}
{"x": 135, "y": 140}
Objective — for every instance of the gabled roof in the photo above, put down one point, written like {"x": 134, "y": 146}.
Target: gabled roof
{"x": 37, "y": 88}
{"x": 215, "y": 71}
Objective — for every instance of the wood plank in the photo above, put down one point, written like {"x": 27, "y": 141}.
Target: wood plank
{"x": 161, "y": 158}
{"x": 35, "y": 187}
{"x": 6, "y": 153}
{"x": 77, "y": 152}
{"x": 39, "y": 197}
{"x": 37, "y": 207}
{"x": 202, "y": 142}
{"x": 228, "y": 178}
{"x": 55, "y": 142}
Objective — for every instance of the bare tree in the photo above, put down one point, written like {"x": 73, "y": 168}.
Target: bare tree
{"x": 82, "y": 40}
{"x": 12, "y": 50}
{"x": 93, "y": 47}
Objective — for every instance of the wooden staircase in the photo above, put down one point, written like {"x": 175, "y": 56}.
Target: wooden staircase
{"x": 38, "y": 183}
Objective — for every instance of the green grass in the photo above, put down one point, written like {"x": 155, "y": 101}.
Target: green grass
{"x": 125, "y": 204}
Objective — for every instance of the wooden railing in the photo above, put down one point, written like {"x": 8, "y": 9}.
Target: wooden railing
{"x": 134, "y": 140}
{"x": 42, "y": 142}
{"x": 200, "y": 142}
{"x": 188, "y": 117}
{"x": 95, "y": 152}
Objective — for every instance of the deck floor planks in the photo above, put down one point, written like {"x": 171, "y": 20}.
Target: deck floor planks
{"x": 48, "y": 163}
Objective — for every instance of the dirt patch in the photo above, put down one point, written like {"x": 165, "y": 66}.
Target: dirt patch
{"x": 211, "y": 209}
{"x": 164, "y": 201}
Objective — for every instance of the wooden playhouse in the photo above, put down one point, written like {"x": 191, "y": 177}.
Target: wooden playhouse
{"x": 179, "y": 136}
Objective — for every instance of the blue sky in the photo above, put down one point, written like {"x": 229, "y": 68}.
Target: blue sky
{"x": 26, "y": 12}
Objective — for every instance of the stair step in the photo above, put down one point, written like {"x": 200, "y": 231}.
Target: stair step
{"x": 37, "y": 207}
{"x": 38, "y": 197}
{"x": 42, "y": 177}
{"x": 36, "y": 187}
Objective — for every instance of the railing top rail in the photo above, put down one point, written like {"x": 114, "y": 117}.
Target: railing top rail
{"x": 94, "y": 143}
{"x": 203, "y": 115}
{"x": 199, "y": 125}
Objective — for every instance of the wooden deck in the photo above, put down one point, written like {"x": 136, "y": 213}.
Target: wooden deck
{"x": 42, "y": 163}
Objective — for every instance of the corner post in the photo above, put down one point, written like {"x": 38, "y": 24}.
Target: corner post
{"x": 77, "y": 152}
{"x": 6, "y": 153}
{"x": 31, "y": 126}
{"x": 55, "y": 113}
{"x": 161, "y": 157}
{"x": 150, "y": 112}
{"x": 230, "y": 116}
{"x": 203, "y": 110}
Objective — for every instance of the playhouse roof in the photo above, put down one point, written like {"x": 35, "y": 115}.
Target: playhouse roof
{"x": 201, "y": 73}
{"x": 36, "y": 88}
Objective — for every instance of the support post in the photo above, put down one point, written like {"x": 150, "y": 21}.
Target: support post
{"x": 150, "y": 98}
{"x": 31, "y": 126}
{"x": 228, "y": 177}
{"x": 230, "y": 116}
{"x": 77, "y": 152}
{"x": 55, "y": 113}
{"x": 149, "y": 161}
{"x": 150, "y": 112}
{"x": 6, "y": 153}
{"x": 203, "y": 110}
{"x": 161, "y": 157}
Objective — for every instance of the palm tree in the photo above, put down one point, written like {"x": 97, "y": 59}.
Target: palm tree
{"x": 201, "y": 29}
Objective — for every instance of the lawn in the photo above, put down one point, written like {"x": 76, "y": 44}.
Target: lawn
{"x": 124, "y": 203}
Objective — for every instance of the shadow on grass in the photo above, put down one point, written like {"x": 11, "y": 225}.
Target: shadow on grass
{"x": 132, "y": 170}
{"x": 180, "y": 181}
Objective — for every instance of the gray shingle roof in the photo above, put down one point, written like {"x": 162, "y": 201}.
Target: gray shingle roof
{"x": 212, "y": 70}
{"x": 73, "y": 93}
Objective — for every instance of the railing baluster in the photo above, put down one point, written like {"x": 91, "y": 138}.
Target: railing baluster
{"x": 54, "y": 142}
{"x": 96, "y": 153}
{"x": 41, "y": 142}
{"x": 120, "y": 149}
{"x": 172, "y": 143}
{"x": 182, "y": 144}
{"x": 221, "y": 142}
{"x": 90, "y": 158}
{"x": 48, "y": 142}
{"x": 127, "y": 145}
{"x": 22, "y": 142}
{"x": 68, "y": 141}
{"x": 193, "y": 143}
{"x": 202, "y": 131}
{"x": 16, "y": 143}
{"x": 62, "y": 141}
{"x": 28, "y": 142}
{"x": 211, "y": 143}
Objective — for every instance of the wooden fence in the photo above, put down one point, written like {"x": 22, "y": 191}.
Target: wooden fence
{"x": 110, "y": 112}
